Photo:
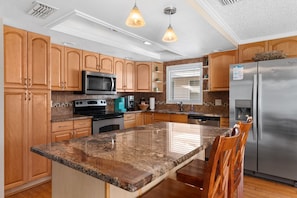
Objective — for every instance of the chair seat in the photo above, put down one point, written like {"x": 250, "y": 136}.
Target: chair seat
{"x": 192, "y": 173}
{"x": 170, "y": 188}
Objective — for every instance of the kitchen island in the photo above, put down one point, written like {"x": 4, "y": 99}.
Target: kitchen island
{"x": 124, "y": 163}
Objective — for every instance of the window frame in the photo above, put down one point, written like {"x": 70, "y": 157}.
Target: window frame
{"x": 183, "y": 67}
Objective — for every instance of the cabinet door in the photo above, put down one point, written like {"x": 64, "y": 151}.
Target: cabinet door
{"x": 179, "y": 118}
{"x": 57, "y": 67}
{"x": 219, "y": 69}
{"x": 161, "y": 117}
{"x": 73, "y": 65}
{"x": 61, "y": 135}
{"x": 287, "y": 45}
{"x": 106, "y": 64}
{"x": 15, "y": 137}
{"x": 119, "y": 70}
{"x": 38, "y": 131}
{"x": 38, "y": 61}
{"x": 148, "y": 118}
{"x": 143, "y": 76}
{"x": 139, "y": 119}
{"x": 15, "y": 57}
{"x": 246, "y": 52}
{"x": 129, "y": 76}
{"x": 90, "y": 61}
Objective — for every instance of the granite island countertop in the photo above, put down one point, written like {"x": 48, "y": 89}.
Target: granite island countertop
{"x": 132, "y": 158}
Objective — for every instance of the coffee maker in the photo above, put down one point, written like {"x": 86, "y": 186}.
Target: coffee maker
{"x": 129, "y": 103}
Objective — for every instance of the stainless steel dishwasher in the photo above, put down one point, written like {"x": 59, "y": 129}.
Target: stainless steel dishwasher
{"x": 204, "y": 120}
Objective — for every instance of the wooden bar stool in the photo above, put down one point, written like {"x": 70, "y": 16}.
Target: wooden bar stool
{"x": 215, "y": 177}
{"x": 193, "y": 173}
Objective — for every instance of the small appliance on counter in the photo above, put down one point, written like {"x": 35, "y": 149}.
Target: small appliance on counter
{"x": 129, "y": 103}
{"x": 119, "y": 105}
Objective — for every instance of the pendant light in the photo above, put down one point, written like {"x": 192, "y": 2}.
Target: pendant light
{"x": 169, "y": 35}
{"x": 135, "y": 19}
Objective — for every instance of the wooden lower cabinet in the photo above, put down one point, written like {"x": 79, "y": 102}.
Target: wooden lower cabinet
{"x": 182, "y": 118}
{"x": 224, "y": 122}
{"x": 161, "y": 117}
{"x": 67, "y": 130}
{"x": 133, "y": 119}
{"x": 27, "y": 123}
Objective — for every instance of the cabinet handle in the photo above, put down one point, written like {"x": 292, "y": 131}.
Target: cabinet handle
{"x": 25, "y": 81}
{"x": 97, "y": 67}
{"x": 25, "y": 95}
{"x": 30, "y": 82}
{"x": 30, "y": 94}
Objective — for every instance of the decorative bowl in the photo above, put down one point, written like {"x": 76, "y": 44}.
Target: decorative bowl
{"x": 143, "y": 107}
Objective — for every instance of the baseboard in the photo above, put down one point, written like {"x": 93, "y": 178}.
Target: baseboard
{"x": 27, "y": 186}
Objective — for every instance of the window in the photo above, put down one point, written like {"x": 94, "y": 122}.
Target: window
{"x": 184, "y": 84}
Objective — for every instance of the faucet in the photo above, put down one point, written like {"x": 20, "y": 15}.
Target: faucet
{"x": 180, "y": 105}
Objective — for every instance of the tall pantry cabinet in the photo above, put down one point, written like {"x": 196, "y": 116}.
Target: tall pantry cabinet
{"x": 27, "y": 105}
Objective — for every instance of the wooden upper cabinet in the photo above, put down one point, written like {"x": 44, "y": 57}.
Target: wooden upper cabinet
{"x": 73, "y": 68}
{"x": 91, "y": 61}
{"x": 106, "y": 64}
{"x": 26, "y": 59}
{"x": 38, "y": 61}
{"x": 219, "y": 69}
{"x": 15, "y": 57}
{"x": 143, "y": 76}
{"x": 287, "y": 45}
{"x": 125, "y": 72}
{"x": 57, "y": 67}
{"x": 246, "y": 52}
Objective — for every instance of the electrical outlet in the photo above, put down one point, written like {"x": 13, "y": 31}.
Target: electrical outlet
{"x": 218, "y": 102}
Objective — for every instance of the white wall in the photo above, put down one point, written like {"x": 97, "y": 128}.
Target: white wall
{"x": 1, "y": 112}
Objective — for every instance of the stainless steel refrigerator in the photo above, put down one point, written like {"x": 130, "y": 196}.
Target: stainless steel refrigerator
{"x": 267, "y": 90}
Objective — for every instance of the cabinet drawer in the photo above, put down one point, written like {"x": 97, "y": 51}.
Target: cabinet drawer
{"x": 82, "y": 123}
{"x": 129, "y": 116}
{"x": 62, "y": 126}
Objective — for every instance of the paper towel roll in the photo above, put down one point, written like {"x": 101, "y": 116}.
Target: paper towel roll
{"x": 152, "y": 103}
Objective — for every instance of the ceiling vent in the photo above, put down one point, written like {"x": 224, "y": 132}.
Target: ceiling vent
{"x": 227, "y": 2}
{"x": 41, "y": 10}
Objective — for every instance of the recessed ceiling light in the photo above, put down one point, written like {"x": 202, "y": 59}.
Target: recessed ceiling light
{"x": 147, "y": 43}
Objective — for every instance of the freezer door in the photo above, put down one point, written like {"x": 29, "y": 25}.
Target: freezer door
{"x": 277, "y": 153}
{"x": 243, "y": 88}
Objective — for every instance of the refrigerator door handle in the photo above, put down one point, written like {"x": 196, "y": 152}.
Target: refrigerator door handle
{"x": 260, "y": 107}
{"x": 255, "y": 108}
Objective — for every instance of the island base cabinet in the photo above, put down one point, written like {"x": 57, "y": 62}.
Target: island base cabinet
{"x": 70, "y": 183}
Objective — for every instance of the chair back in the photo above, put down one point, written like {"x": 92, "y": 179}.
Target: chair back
{"x": 218, "y": 167}
{"x": 236, "y": 174}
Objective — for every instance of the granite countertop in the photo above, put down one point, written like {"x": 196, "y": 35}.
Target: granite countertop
{"x": 62, "y": 118}
{"x": 181, "y": 112}
{"x": 132, "y": 158}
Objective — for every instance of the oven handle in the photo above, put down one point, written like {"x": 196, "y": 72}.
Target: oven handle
{"x": 117, "y": 116}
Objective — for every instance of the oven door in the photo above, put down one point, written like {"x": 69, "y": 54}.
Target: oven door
{"x": 101, "y": 126}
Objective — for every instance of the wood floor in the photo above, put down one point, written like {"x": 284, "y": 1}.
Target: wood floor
{"x": 253, "y": 188}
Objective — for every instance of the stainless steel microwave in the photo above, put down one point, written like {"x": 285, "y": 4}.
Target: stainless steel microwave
{"x": 97, "y": 83}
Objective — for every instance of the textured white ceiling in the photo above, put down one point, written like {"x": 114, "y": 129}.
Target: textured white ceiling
{"x": 202, "y": 26}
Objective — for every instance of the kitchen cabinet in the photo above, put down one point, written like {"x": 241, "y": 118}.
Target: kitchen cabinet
{"x": 93, "y": 61}
{"x": 27, "y": 123}
{"x": 157, "y": 77}
{"x": 288, "y": 45}
{"x": 67, "y": 130}
{"x": 143, "y": 76}
{"x": 224, "y": 122}
{"x": 26, "y": 56}
{"x": 133, "y": 119}
{"x": 148, "y": 118}
{"x": 161, "y": 117}
{"x": 106, "y": 64}
{"x": 246, "y": 52}
{"x": 219, "y": 69}
{"x": 182, "y": 118}
{"x": 125, "y": 72}
{"x": 73, "y": 68}
{"x": 66, "y": 66}
{"x": 58, "y": 81}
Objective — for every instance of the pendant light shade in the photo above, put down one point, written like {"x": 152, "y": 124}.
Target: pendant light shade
{"x": 135, "y": 18}
{"x": 169, "y": 35}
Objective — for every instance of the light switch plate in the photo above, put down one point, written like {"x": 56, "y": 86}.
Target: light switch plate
{"x": 218, "y": 102}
